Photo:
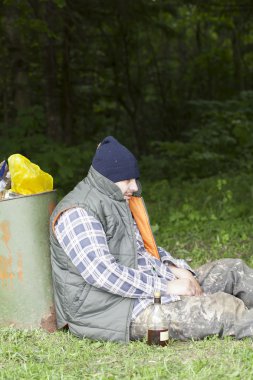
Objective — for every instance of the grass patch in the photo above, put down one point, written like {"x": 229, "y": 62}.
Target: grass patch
{"x": 38, "y": 355}
{"x": 200, "y": 220}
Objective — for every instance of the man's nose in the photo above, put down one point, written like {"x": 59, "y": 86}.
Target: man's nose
{"x": 134, "y": 186}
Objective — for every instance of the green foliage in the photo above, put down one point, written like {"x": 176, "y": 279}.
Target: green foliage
{"x": 221, "y": 140}
{"x": 204, "y": 219}
{"x": 67, "y": 164}
{"x": 130, "y": 69}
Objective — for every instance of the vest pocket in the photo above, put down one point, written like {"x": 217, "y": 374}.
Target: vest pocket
{"x": 79, "y": 298}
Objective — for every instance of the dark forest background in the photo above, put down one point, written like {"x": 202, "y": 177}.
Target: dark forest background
{"x": 172, "y": 80}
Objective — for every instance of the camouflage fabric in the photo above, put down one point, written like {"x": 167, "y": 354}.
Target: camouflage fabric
{"x": 225, "y": 309}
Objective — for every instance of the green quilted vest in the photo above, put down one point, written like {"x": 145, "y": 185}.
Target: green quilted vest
{"x": 89, "y": 311}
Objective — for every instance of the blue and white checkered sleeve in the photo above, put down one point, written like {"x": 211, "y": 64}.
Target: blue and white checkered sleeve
{"x": 180, "y": 263}
{"x": 83, "y": 239}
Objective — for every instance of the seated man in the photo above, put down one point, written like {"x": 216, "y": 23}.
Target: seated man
{"x": 106, "y": 264}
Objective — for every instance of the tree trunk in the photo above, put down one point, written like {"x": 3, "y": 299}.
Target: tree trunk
{"x": 67, "y": 120}
{"x": 237, "y": 59}
{"x": 17, "y": 67}
{"x": 52, "y": 102}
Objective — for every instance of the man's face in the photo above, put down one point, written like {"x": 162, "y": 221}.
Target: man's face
{"x": 127, "y": 187}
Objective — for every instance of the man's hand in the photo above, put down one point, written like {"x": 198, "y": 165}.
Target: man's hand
{"x": 185, "y": 285}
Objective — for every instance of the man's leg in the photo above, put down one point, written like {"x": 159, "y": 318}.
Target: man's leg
{"x": 231, "y": 276}
{"x": 198, "y": 317}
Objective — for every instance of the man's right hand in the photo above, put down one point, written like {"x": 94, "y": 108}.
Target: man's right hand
{"x": 184, "y": 287}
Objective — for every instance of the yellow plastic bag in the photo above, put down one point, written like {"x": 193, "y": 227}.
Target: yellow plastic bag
{"x": 26, "y": 177}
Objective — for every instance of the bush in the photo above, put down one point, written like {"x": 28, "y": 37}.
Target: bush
{"x": 220, "y": 140}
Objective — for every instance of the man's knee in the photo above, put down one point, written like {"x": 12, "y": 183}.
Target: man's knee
{"x": 227, "y": 304}
{"x": 231, "y": 262}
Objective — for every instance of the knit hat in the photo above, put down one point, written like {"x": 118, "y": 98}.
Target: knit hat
{"x": 114, "y": 161}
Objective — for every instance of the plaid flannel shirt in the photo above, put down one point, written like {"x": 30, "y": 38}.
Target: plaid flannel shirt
{"x": 83, "y": 239}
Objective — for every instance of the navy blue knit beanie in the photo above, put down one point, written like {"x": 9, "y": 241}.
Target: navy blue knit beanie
{"x": 114, "y": 161}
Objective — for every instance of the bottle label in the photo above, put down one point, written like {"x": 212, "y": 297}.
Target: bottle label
{"x": 164, "y": 335}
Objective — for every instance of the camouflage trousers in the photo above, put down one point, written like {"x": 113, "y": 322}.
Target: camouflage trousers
{"x": 225, "y": 310}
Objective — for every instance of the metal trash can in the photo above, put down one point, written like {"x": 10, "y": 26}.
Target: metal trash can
{"x": 26, "y": 292}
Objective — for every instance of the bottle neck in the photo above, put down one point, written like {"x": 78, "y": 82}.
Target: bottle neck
{"x": 157, "y": 300}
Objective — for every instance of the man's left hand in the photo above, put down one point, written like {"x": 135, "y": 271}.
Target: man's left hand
{"x": 184, "y": 273}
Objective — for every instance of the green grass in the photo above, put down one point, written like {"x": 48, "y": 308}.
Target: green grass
{"x": 39, "y": 355}
{"x": 199, "y": 220}
{"x": 204, "y": 219}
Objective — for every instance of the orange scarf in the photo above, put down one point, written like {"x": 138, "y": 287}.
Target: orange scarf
{"x": 140, "y": 215}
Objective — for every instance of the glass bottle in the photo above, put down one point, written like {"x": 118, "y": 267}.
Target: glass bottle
{"x": 158, "y": 333}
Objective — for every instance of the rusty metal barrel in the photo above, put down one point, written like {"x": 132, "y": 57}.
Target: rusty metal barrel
{"x": 26, "y": 291}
